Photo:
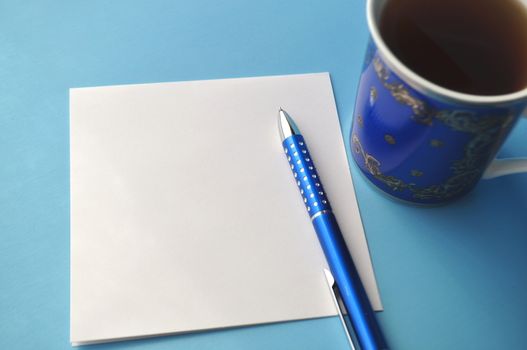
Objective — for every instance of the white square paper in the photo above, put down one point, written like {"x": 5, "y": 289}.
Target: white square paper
{"x": 184, "y": 212}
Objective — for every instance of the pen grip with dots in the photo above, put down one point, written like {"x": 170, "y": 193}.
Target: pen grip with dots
{"x": 306, "y": 175}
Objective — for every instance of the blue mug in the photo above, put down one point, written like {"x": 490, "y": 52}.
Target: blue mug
{"x": 420, "y": 142}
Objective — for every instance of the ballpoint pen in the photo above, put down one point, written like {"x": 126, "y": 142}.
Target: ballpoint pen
{"x": 365, "y": 333}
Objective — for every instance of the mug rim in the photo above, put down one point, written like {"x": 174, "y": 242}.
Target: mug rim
{"x": 423, "y": 85}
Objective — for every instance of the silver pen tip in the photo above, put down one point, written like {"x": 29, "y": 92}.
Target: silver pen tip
{"x": 286, "y": 125}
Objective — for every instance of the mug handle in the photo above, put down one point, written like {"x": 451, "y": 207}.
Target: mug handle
{"x": 501, "y": 167}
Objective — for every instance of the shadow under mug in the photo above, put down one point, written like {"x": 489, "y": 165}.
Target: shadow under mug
{"x": 422, "y": 143}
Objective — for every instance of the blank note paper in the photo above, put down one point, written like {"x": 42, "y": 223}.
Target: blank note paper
{"x": 185, "y": 215}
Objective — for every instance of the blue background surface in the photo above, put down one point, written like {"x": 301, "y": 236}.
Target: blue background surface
{"x": 451, "y": 277}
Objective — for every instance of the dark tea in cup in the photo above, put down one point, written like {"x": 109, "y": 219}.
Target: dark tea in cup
{"x": 473, "y": 47}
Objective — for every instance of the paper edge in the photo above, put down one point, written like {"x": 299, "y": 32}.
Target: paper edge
{"x": 72, "y": 89}
{"x": 376, "y": 301}
{"x": 77, "y": 343}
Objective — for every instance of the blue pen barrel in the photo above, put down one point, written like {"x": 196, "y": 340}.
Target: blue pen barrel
{"x": 337, "y": 255}
{"x": 352, "y": 292}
